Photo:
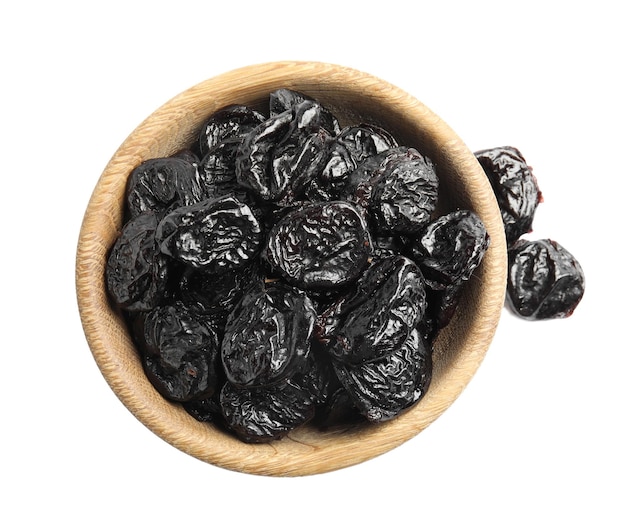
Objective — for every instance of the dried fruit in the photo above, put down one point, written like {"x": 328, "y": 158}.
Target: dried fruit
{"x": 161, "y": 184}
{"x": 267, "y": 336}
{"x": 181, "y": 352}
{"x": 450, "y": 248}
{"x": 215, "y": 235}
{"x": 382, "y": 389}
{"x": 515, "y": 187}
{"x": 136, "y": 272}
{"x": 545, "y": 281}
{"x": 319, "y": 246}
{"x": 397, "y": 190}
{"x": 378, "y": 315}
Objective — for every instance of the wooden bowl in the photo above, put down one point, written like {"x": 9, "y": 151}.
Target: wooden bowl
{"x": 354, "y": 97}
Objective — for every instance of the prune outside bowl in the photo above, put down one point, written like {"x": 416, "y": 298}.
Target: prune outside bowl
{"x": 354, "y": 97}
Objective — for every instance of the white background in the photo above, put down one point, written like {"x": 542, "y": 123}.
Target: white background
{"x": 537, "y": 438}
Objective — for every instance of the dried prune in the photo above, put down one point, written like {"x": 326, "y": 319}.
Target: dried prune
{"x": 378, "y": 316}
{"x": 350, "y": 147}
{"x": 450, "y": 248}
{"x": 284, "y": 99}
{"x": 545, "y": 280}
{"x": 515, "y": 188}
{"x": 267, "y": 336}
{"x": 217, "y": 169}
{"x": 254, "y": 162}
{"x": 319, "y": 246}
{"x": 228, "y": 123}
{"x": 216, "y": 235}
{"x": 136, "y": 273}
{"x": 384, "y": 388}
{"x": 397, "y": 188}
{"x": 180, "y": 352}
{"x": 298, "y": 164}
{"x": 269, "y": 413}
{"x": 365, "y": 140}
{"x": 161, "y": 184}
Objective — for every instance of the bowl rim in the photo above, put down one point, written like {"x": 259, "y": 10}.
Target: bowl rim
{"x": 303, "y": 452}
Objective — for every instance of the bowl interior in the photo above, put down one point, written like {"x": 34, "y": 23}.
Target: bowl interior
{"x": 354, "y": 97}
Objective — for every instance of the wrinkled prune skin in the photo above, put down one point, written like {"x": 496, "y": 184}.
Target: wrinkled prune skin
{"x": 267, "y": 336}
{"x": 397, "y": 188}
{"x": 217, "y": 169}
{"x": 319, "y": 246}
{"x": 136, "y": 273}
{"x": 284, "y": 99}
{"x": 545, "y": 281}
{"x": 515, "y": 188}
{"x": 229, "y": 123}
{"x": 298, "y": 164}
{"x": 365, "y": 140}
{"x": 180, "y": 352}
{"x": 350, "y": 147}
{"x": 254, "y": 161}
{"x": 378, "y": 316}
{"x": 161, "y": 184}
{"x": 264, "y": 414}
{"x": 216, "y": 235}
{"x": 384, "y": 388}
{"x": 450, "y": 248}
{"x": 220, "y": 139}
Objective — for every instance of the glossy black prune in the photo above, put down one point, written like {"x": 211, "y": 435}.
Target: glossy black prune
{"x": 263, "y": 414}
{"x": 284, "y": 99}
{"x": 298, "y": 164}
{"x": 180, "y": 352}
{"x": 450, "y": 248}
{"x": 365, "y": 140}
{"x": 378, "y": 316}
{"x": 216, "y": 235}
{"x": 545, "y": 281}
{"x": 254, "y": 165}
{"x": 319, "y": 246}
{"x": 515, "y": 188}
{"x": 267, "y": 336}
{"x": 161, "y": 184}
{"x": 350, "y": 147}
{"x": 136, "y": 272}
{"x": 228, "y": 123}
{"x": 397, "y": 188}
{"x": 384, "y": 388}
{"x": 217, "y": 169}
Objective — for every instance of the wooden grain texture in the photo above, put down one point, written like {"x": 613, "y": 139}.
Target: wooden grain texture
{"x": 354, "y": 97}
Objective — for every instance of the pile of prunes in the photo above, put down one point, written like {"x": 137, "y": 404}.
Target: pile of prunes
{"x": 287, "y": 270}
{"x": 545, "y": 281}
